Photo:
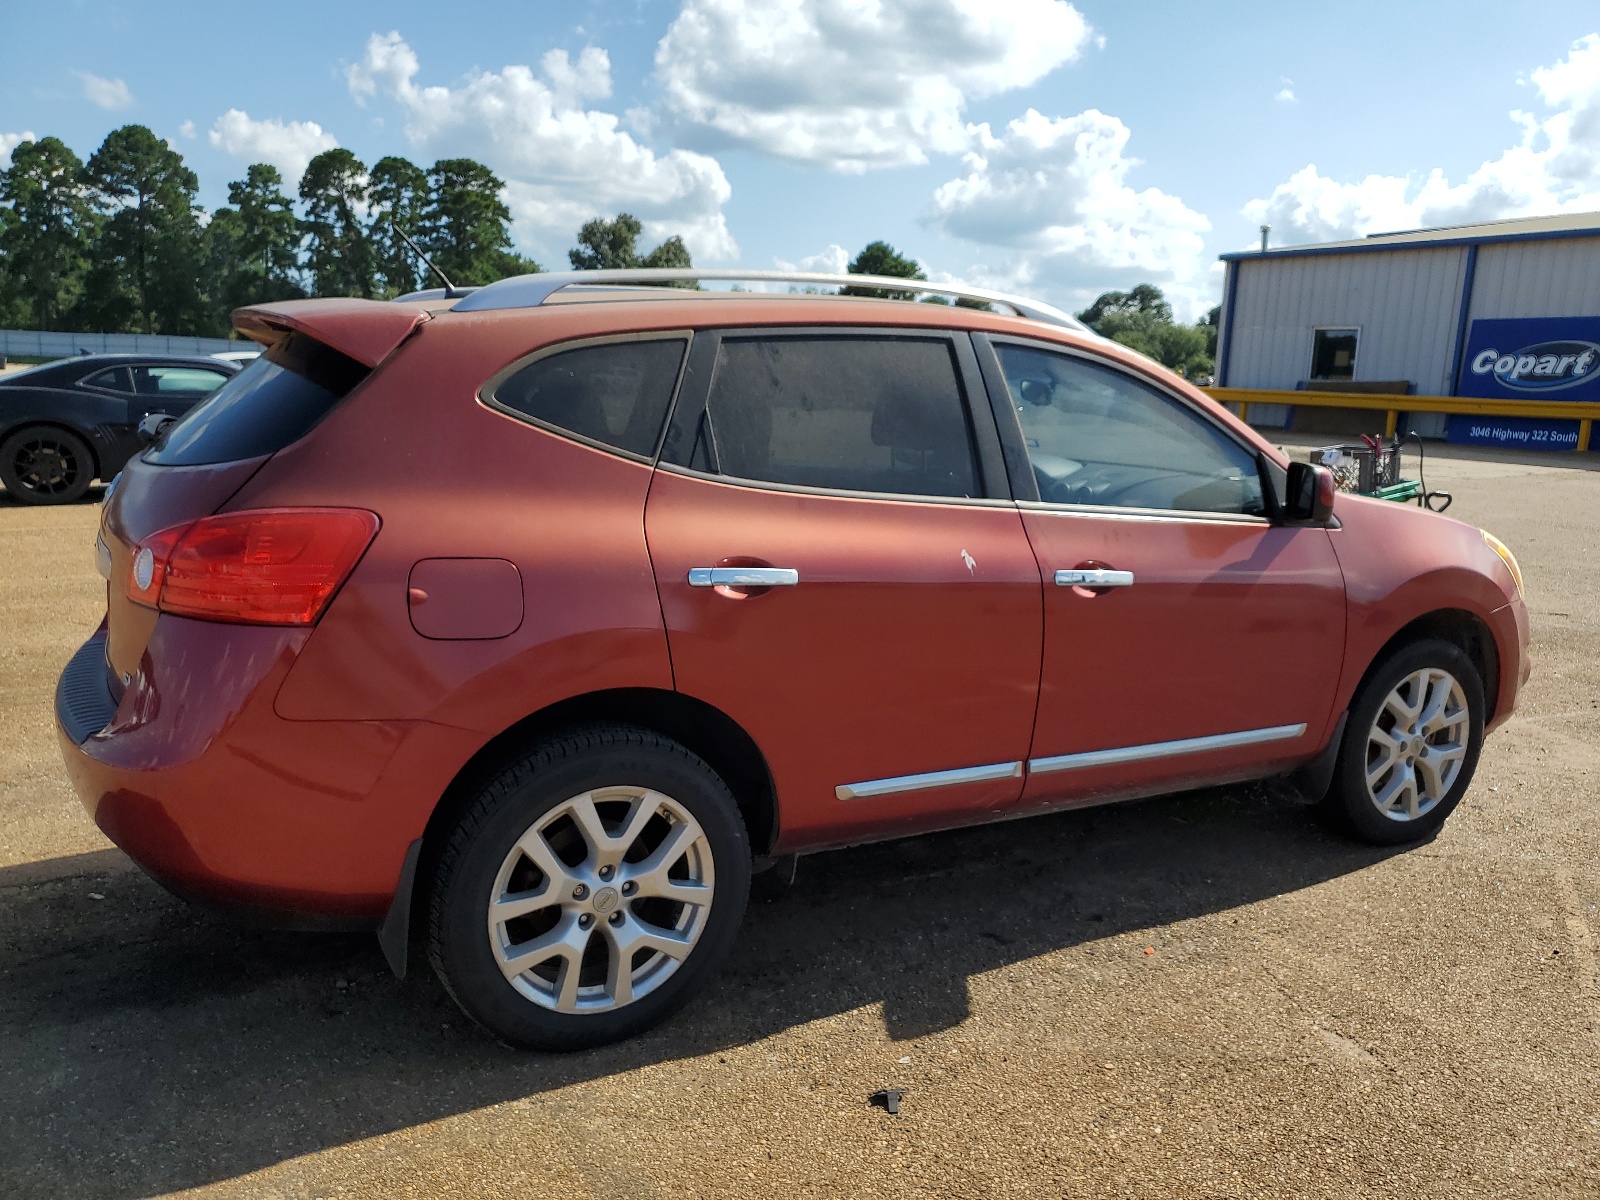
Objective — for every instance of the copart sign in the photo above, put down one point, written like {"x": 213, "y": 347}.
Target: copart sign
{"x": 1525, "y": 359}
{"x": 1540, "y": 358}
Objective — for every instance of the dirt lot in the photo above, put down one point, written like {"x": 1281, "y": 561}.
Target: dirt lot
{"x": 1194, "y": 996}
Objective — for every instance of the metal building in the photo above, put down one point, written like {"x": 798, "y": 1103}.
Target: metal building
{"x": 1417, "y": 313}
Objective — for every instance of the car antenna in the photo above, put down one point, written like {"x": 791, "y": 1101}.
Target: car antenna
{"x": 451, "y": 291}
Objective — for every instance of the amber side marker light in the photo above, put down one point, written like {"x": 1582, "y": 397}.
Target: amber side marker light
{"x": 1507, "y": 557}
{"x": 265, "y": 566}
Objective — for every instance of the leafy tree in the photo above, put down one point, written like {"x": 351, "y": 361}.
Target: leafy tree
{"x": 399, "y": 196}
{"x": 671, "y": 253}
{"x": 880, "y": 258}
{"x": 145, "y": 264}
{"x": 1142, "y": 319}
{"x": 339, "y": 255}
{"x": 613, "y": 245}
{"x": 1145, "y": 299}
{"x": 607, "y": 245}
{"x": 466, "y": 227}
{"x": 1208, "y": 325}
{"x": 45, "y": 234}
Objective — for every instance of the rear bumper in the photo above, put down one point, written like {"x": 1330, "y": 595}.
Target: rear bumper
{"x": 84, "y": 703}
{"x": 303, "y": 823}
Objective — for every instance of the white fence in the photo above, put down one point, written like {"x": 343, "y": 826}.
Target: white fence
{"x": 29, "y": 343}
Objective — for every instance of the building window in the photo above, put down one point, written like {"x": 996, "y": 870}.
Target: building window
{"x": 1333, "y": 354}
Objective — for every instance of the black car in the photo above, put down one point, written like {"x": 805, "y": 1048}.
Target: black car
{"x": 66, "y": 423}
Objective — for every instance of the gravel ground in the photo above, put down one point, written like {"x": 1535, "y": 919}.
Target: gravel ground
{"x": 1204, "y": 995}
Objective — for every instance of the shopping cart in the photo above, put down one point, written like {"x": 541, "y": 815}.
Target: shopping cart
{"x": 1371, "y": 467}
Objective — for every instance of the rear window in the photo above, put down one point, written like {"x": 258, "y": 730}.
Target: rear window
{"x": 272, "y": 402}
{"x": 613, "y": 393}
{"x": 863, "y": 414}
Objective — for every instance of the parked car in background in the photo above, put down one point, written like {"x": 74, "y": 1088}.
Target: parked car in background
{"x": 531, "y": 622}
{"x": 65, "y": 424}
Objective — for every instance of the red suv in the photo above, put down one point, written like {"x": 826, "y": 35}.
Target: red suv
{"x": 549, "y": 612}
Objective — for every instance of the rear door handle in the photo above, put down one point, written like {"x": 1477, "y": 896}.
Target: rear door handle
{"x": 743, "y": 577}
{"x": 1094, "y": 578}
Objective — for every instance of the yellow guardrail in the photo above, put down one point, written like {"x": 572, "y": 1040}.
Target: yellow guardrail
{"x": 1583, "y": 411}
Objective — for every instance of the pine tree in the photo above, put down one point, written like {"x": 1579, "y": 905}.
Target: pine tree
{"x": 398, "y": 196}
{"x": 252, "y": 249}
{"x": 46, "y": 230}
{"x": 466, "y": 230}
{"x": 145, "y": 264}
{"x": 339, "y": 254}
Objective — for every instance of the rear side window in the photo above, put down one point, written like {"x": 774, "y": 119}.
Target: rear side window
{"x": 272, "y": 402}
{"x": 613, "y": 393}
{"x": 180, "y": 381}
{"x": 861, "y": 414}
{"x": 114, "y": 380}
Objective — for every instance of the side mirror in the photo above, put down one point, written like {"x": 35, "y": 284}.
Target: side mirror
{"x": 1311, "y": 491}
{"x": 153, "y": 425}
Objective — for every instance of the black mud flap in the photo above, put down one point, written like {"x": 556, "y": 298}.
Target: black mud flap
{"x": 394, "y": 935}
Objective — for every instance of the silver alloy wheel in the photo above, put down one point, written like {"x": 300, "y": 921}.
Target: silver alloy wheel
{"x": 601, "y": 900}
{"x": 1417, "y": 744}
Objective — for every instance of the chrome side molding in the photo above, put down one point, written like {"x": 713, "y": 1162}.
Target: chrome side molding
{"x": 1094, "y": 578}
{"x": 743, "y": 577}
{"x": 1126, "y": 754}
{"x": 931, "y": 779}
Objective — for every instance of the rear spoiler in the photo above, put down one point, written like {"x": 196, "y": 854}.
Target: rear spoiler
{"x": 365, "y": 330}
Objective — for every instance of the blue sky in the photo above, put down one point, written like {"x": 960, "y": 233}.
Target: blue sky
{"x": 1052, "y": 148}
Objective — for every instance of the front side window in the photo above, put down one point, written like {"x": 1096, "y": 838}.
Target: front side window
{"x": 614, "y": 393}
{"x": 861, "y": 414}
{"x": 1098, "y": 436}
{"x": 1333, "y": 354}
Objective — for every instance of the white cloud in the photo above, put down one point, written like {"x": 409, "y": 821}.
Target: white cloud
{"x": 9, "y": 142}
{"x": 1555, "y": 166}
{"x": 187, "y": 130}
{"x": 563, "y": 163}
{"x": 109, "y": 94}
{"x": 1053, "y": 192}
{"x": 1285, "y": 93}
{"x": 852, "y": 85}
{"x": 832, "y": 261}
{"x": 287, "y": 145}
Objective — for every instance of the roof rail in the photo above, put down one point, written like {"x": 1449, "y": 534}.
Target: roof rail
{"x": 530, "y": 291}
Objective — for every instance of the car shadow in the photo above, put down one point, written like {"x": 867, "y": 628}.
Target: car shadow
{"x": 145, "y": 1047}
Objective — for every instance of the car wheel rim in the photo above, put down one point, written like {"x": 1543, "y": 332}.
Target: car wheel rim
{"x": 1417, "y": 744}
{"x": 602, "y": 900}
{"x": 46, "y": 467}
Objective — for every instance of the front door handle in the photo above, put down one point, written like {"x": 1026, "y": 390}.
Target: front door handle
{"x": 1094, "y": 578}
{"x": 743, "y": 577}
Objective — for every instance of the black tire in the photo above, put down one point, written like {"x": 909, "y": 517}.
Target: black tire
{"x": 1350, "y": 804}
{"x": 42, "y": 464}
{"x": 507, "y": 811}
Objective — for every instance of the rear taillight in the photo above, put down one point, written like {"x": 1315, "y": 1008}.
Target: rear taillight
{"x": 267, "y": 566}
